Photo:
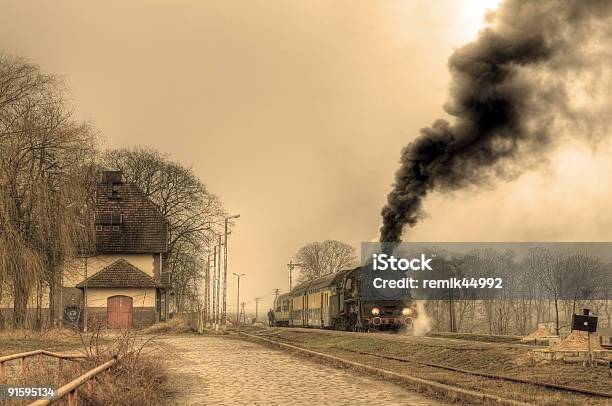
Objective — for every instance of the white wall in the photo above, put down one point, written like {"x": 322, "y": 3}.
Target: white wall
{"x": 142, "y": 297}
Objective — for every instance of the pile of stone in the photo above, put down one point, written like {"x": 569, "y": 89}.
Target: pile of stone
{"x": 577, "y": 341}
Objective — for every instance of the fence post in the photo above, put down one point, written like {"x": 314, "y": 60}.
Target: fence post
{"x": 24, "y": 367}
{"x": 60, "y": 366}
{"x": 72, "y": 398}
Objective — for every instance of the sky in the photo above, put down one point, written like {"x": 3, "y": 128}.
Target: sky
{"x": 294, "y": 113}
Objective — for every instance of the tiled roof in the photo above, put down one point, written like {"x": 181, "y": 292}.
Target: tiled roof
{"x": 126, "y": 220}
{"x": 120, "y": 274}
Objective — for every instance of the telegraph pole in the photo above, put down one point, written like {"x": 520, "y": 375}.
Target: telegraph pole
{"x": 242, "y": 311}
{"x": 214, "y": 287}
{"x": 207, "y": 291}
{"x": 256, "y": 308}
{"x": 84, "y": 301}
{"x": 238, "y": 299}
{"x": 224, "y": 309}
{"x": 218, "y": 315}
{"x": 276, "y": 293}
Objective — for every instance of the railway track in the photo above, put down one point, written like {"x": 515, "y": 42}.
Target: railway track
{"x": 486, "y": 375}
{"x": 455, "y": 391}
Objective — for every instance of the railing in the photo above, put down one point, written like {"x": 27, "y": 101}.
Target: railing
{"x": 38, "y": 353}
{"x": 72, "y": 387}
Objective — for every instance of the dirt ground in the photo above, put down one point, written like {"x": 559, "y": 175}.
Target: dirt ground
{"x": 509, "y": 359}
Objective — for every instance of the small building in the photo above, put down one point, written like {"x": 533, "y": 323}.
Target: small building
{"x": 119, "y": 283}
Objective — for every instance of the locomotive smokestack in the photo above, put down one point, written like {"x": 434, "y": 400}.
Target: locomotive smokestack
{"x": 502, "y": 99}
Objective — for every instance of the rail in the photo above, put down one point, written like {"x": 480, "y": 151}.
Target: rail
{"x": 486, "y": 374}
{"x": 37, "y": 353}
{"x": 72, "y": 387}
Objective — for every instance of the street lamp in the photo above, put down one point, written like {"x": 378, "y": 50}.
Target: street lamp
{"x": 224, "y": 312}
{"x": 238, "y": 299}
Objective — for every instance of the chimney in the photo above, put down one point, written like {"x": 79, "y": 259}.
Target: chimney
{"x": 112, "y": 177}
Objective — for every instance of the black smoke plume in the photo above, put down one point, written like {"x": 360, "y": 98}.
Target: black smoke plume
{"x": 501, "y": 101}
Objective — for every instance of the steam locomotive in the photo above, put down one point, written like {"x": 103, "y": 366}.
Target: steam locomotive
{"x": 335, "y": 302}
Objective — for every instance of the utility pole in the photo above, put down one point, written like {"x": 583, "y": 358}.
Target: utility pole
{"x": 89, "y": 253}
{"x": 214, "y": 287}
{"x": 238, "y": 299}
{"x": 218, "y": 304}
{"x": 84, "y": 300}
{"x": 242, "y": 312}
{"x": 276, "y": 293}
{"x": 256, "y": 308}
{"x": 224, "y": 309}
{"x": 291, "y": 266}
{"x": 207, "y": 291}
{"x": 451, "y": 312}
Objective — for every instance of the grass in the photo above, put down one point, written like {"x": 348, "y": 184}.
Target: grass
{"x": 139, "y": 376}
{"x": 479, "y": 337}
{"x": 15, "y": 341}
{"x": 176, "y": 325}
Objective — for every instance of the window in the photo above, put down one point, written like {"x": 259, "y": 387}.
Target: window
{"x": 107, "y": 228}
{"x": 114, "y": 193}
{"x": 115, "y": 228}
{"x": 99, "y": 227}
{"x": 116, "y": 218}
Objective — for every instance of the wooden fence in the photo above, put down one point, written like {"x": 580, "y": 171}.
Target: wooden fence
{"x": 70, "y": 390}
{"x": 37, "y": 353}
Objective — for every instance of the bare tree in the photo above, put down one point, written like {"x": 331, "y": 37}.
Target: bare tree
{"x": 322, "y": 258}
{"x": 42, "y": 151}
{"x": 545, "y": 265}
{"x": 581, "y": 276}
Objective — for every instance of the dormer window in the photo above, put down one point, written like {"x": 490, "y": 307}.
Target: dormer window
{"x": 107, "y": 221}
{"x": 114, "y": 193}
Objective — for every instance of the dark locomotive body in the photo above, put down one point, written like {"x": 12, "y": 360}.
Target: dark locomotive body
{"x": 335, "y": 302}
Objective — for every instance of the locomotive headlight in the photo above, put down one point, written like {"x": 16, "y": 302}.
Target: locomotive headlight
{"x": 375, "y": 311}
{"x": 406, "y": 311}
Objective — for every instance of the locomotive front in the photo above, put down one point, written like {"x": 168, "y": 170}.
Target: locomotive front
{"x": 388, "y": 314}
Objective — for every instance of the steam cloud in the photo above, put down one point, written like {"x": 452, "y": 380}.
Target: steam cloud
{"x": 421, "y": 325}
{"x": 511, "y": 91}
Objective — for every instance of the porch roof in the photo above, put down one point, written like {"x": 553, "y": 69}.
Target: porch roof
{"x": 120, "y": 274}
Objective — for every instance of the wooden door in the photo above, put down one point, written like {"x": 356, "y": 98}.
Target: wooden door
{"x": 321, "y": 310}
{"x": 304, "y": 310}
{"x": 119, "y": 312}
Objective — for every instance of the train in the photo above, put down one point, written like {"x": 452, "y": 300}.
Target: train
{"x": 335, "y": 302}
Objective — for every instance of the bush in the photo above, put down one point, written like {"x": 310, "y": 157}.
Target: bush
{"x": 176, "y": 325}
{"x": 139, "y": 376}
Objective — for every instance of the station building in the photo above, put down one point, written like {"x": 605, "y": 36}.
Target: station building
{"x": 120, "y": 281}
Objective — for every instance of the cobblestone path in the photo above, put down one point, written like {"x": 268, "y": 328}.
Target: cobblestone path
{"x": 215, "y": 370}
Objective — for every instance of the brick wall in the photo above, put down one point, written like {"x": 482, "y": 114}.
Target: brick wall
{"x": 143, "y": 317}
